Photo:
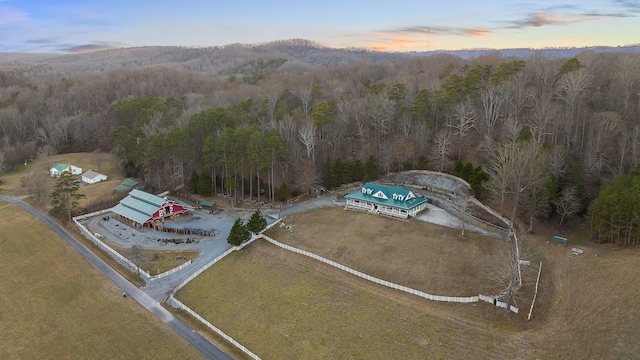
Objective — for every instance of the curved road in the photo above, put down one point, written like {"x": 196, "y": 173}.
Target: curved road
{"x": 195, "y": 339}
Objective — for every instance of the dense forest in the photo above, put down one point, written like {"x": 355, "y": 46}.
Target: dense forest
{"x": 537, "y": 136}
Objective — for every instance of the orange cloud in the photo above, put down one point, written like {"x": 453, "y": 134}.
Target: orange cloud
{"x": 396, "y": 44}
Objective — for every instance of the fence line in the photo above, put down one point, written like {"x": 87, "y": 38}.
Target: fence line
{"x": 456, "y": 299}
{"x": 171, "y": 300}
{"x": 176, "y": 303}
{"x": 210, "y": 263}
{"x": 116, "y": 255}
{"x": 169, "y": 272}
{"x": 536, "y": 292}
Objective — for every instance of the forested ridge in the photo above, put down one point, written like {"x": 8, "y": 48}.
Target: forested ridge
{"x": 537, "y": 137}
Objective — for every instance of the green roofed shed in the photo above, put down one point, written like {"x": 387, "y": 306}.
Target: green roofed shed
{"x": 126, "y": 185}
{"x": 207, "y": 204}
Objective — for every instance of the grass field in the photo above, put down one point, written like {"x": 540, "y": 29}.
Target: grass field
{"x": 54, "y": 305}
{"x": 283, "y": 305}
{"x": 423, "y": 256}
{"x": 103, "y": 163}
{"x": 589, "y": 305}
{"x": 287, "y": 306}
{"x": 156, "y": 261}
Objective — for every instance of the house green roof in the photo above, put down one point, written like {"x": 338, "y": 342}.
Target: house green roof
{"x": 392, "y": 196}
{"x": 61, "y": 167}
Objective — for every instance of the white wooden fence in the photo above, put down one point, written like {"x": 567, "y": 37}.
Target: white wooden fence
{"x": 175, "y": 302}
{"x": 456, "y": 299}
{"x": 116, "y": 255}
{"x": 178, "y": 304}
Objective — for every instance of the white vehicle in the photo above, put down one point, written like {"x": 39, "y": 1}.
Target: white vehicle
{"x": 98, "y": 235}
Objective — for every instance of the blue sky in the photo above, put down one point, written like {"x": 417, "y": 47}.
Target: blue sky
{"x": 393, "y": 25}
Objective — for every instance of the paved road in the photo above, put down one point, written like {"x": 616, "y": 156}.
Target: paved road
{"x": 195, "y": 339}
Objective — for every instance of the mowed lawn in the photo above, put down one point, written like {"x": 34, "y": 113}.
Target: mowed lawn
{"x": 283, "y": 305}
{"x": 55, "y": 305}
{"x": 420, "y": 255}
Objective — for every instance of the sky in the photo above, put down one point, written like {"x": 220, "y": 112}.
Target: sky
{"x": 71, "y": 26}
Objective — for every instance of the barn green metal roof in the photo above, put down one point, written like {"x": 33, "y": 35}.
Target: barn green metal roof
{"x": 131, "y": 213}
{"x": 392, "y": 196}
{"x": 139, "y": 206}
{"x": 147, "y": 197}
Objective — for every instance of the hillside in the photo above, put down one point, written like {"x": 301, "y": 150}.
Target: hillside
{"x": 295, "y": 55}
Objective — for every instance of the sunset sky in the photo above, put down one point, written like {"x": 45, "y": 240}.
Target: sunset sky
{"x": 401, "y": 25}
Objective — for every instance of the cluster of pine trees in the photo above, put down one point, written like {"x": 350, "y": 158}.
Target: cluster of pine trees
{"x": 616, "y": 211}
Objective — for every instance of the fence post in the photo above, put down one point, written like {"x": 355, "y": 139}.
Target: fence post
{"x": 536, "y": 292}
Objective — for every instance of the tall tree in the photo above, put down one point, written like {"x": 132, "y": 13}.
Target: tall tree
{"x": 239, "y": 233}
{"x": 256, "y": 222}
{"x": 65, "y": 195}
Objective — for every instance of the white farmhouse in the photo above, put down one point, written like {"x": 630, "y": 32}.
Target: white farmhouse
{"x": 92, "y": 177}
{"x": 59, "y": 168}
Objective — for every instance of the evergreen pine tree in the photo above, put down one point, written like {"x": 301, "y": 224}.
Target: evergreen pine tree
{"x": 238, "y": 234}
{"x": 204, "y": 185}
{"x": 193, "y": 182}
{"x": 371, "y": 171}
{"x": 65, "y": 195}
{"x": 256, "y": 222}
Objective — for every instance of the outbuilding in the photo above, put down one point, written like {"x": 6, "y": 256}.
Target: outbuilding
{"x": 92, "y": 177}
{"x": 125, "y": 186}
{"x": 386, "y": 200}
{"x": 142, "y": 208}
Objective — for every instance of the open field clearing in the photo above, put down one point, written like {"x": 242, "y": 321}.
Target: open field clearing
{"x": 589, "y": 304}
{"x": 282, "y": 305}
{"x": 287, "y": 306}
{"x": 54, "y": 305}
{"x": 423, "y": 256}
{"x": 101, "y": 162}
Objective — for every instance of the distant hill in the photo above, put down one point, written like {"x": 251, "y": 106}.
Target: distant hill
{"x": 547, "y": 52}
{"x": 282, "y": 56}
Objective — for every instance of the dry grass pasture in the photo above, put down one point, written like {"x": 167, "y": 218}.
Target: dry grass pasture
{"x": 54, "y": 305}
{"x": 287, "y": 306}
{"x": 156, "y": 261}
{"x": 423, "y": 256}
{"x": 103, "y": 163}
{"x": 589, "y": 305}
{"x": 284, "y": 305}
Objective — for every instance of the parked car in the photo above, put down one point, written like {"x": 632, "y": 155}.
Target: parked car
{"x": 98, "y": 235}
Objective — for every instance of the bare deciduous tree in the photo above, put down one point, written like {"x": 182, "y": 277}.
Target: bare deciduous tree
{"x": 491, "y": 100}
{"x": 510, "y": 273}
{"x": 568, "y": 203}
{"x": 442, "y": 146}
{"x": 464, "y": 119}
{"x": 37, "y": 183}
{"x": 307, "y": 133}
{"x": 571, "y": 89}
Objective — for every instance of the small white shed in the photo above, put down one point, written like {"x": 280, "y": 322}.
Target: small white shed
{"x": 92, "y": 177}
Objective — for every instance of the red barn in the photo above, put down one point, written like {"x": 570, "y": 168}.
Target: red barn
{"x": 142, "y": 208}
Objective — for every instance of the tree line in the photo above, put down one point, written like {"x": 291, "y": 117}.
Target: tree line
{"x": 537, "y": 136}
